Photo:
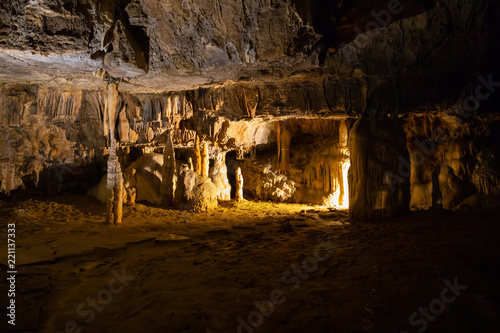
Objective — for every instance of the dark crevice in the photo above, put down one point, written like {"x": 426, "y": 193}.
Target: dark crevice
{"x": 135, "y": 35}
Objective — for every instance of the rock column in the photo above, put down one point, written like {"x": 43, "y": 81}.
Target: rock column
{"x": 239, "y": 185}
{"x": 205, "y": 162}
{"x": 168, "y": 174}
{"x": 197, "y": 167}
{"x": 377, "y": 192}
{"x": 114, "y": 182}
{"x": 284, "y": 137}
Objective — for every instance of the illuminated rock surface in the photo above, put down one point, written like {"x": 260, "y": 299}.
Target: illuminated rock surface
{"x": 240, "y": 132}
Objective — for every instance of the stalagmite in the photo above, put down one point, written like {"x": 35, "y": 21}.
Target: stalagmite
{"x": 114, "y": 182}
{"x": 190, "y": 164}
{"x": 118, "y": 202}
{"x": 239, "y": 185}
{"x": 168, "y": 174}
{"x": 218, "y": 174}
{"x": 205, "y": 162}
{"x": 197, "y": 153}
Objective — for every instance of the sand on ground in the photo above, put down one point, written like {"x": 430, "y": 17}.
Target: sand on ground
{"x": 166, "y": 270}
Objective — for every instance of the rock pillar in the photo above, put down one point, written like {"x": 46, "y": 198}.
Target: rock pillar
{"x": 205, "y": 162}
{"x": 168, "y": 175}
{"x": 239, "y": 185}
{"x": 114, "y": 179}
{"x": 379, "y": 182}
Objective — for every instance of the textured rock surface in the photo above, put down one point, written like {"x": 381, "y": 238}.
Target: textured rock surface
{"x": 218, "y": 174}
{"x": 376, "y": 193}
{"x": 197, "y": 192}
{"x": 227, "y": 72}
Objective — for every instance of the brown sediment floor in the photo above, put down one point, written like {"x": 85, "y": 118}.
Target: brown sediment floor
{"x": 199, "y": 272}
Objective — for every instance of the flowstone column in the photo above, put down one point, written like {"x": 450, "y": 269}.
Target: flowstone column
{"x": 218, "y": 174}
{"x": 168, "y": 180}
{"x": 205, "y": 162}
{"x": 376, "y": 193}
{"x": 239, "y": 185}
{"x": 284, "y": 138}
{"x": 197, "y": 166}
{"x": 114, "y": 178}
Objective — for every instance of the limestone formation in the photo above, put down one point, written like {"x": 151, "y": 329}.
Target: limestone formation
{"x": 379, "y": 185}
{"x": 168, "y": 175}
{"x": 190, "y": 164}
{"x": 218, "y": 174}
{"x": 205, "y": 162}
{"x": 343, "y": 134}
{"x": 114, "y": 173}
{"x": 239, "y": 185}
{"x": 196, "y": 192}
{"x": 130, "y": 186}
{"x": 284, "y": 137}
{"x": 247, "y": 77}
{"x": 197, "y": 152}
{"x": 146, "y": 173}
{"x": 123, "y": 126}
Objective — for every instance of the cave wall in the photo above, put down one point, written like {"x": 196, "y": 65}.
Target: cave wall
{"x": 153, "y": 35}
{"x": 376, "y": 146}
{"x": 285, "y": 63}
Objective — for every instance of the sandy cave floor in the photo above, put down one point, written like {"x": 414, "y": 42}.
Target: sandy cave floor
{"x": 199, "y": 272}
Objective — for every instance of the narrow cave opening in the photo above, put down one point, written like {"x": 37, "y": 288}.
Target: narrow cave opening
{"x": 232, "y": 164}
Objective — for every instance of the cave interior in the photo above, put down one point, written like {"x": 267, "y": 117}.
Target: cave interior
{"x": 250, "y": 165}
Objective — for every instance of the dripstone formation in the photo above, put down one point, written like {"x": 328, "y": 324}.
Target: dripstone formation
{"x": 376, "y": 106}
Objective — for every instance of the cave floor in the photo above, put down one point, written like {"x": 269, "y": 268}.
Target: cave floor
{"x": 170, "y": 271}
